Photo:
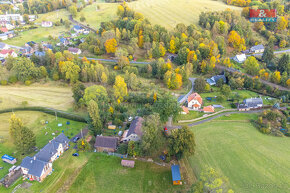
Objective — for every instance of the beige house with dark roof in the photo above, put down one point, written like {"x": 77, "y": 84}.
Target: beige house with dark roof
{"x": 135, "y": 131}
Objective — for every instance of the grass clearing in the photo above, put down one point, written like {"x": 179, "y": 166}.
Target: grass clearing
{"x": 53, "y": 16}
{"x": 39, "y": 34}
{"x": 46, "y": 95}
{"x": 252, "y": 161}
{"x": 95, "y": 16}
{"x": 42, "y": 132}
{"x": 169, "y": 13}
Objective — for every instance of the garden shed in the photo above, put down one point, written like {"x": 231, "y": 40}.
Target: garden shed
{"x": 8, "y": 159}
{"x": 176, "y": 177}
{"x": 128, "y": 163}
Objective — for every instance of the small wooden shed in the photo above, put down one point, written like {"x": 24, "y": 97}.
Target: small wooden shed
{"x": 176, "y": 177}
{"x": 128, "y": 163}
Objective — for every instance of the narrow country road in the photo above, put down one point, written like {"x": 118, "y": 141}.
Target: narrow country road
{"x": 113, "y": 60}
{"x": 183, "y": 99}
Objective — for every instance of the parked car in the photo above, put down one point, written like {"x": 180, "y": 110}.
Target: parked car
{"x": 75, "y": 154}
{"x": 76, "y": 139}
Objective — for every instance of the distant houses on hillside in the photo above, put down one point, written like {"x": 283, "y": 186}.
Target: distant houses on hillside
{"x": 213, "y": 80}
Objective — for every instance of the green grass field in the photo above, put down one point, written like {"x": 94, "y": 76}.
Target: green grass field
{"x": 94, "y": 17}
{"x": 252, "y": 161}
{"x": 46, "y": 95}
{"x": 53, "y": 16}
{"x": 43, "y": 132}
{"x": 39, "y": 34}
{"x": 95, "y": 172}
{"x": 169, "y": 13}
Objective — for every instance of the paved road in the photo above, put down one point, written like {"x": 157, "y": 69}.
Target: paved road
{"x": 80, "y": 24}
{"x": 183, "y": 99}
{"x": 263, "y": 81}
{"x": 215, "y": 117}
{"x": 277, "y": 52}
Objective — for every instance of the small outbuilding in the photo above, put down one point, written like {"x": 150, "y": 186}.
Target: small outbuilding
{"x": 176, "y": 177}
{"x": 128, "y": 163}
{"x": 8, "y": 159}
{"x": 106, "y": 144}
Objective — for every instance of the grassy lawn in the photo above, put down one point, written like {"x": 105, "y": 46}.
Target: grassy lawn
{"x": 105, "y": 174}
{"x": 53, "y": 16}
{"x": 94, "y": 17}
{"x": 252, "y": 161}
{"x": 169, "y": 13}
{"x": 46, "y": 95}
{"x": 39, "y": 34}
{"x": 94, "y": 172}
{"x": 33, "y": 121}
{"x": 191, "y": 115}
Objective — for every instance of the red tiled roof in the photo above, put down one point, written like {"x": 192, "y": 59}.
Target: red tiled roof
{"x": 195, "y": 96}
{"x": 3, "y": 29}
{"x": 196, "y": 105}
{"x": 208, "y": 109}
{"x": 6, "y": 52}
{"x": 185, "y": 109}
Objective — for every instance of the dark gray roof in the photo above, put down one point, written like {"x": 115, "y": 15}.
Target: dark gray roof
{"x": 213, "y": 80}
{"x": 2, "y": 45}
{"x": 61, "y": 138}
{"x": 257, "y": 47}
{"x": 108, "y": 142}
{"x": 136, "y": 127}
{"x": 35, "y": 167}
{"x": 50, "y": 149}
{"x": 253, "y": 102}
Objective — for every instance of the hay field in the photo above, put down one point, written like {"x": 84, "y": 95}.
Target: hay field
{"x": 169, "y": 13}
{"x": 36, "y": 95}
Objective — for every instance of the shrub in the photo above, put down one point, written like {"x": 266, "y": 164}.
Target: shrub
{"x": 3, "y": 82}
{"x": 27, "y": 82}
{"x": 24, "y": 103}
{"x": 123, "y": 148}
{"x": 12, "y": 79}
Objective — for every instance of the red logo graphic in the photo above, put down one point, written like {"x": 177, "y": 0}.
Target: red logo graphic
{"x": 263, "y": 13}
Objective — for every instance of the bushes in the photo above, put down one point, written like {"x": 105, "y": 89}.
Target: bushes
{"x": 50, "y": 111}
{"x": 12, "y": 79}
{"x": 3, "y": 82}
{"x": 27, "y": 82}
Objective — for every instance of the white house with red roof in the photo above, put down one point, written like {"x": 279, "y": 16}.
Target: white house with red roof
{"x": 194, "y": 101}
{"x": 5, "y": 53}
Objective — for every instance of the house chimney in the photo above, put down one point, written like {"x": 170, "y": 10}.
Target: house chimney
{"x": 34, "y": 158}
{"x": 49, "y": 141}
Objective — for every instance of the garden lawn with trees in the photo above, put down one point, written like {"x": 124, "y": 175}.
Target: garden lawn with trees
{"x": 37, "y": 35}
{"x": 35, "y": 121}
{"x": 251, "y": 160}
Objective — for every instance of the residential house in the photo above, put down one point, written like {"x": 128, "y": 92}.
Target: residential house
{"x": 54, "y": 149}
{"x": 47, "y": 47}
{"x": 3, "y": 46}
{"x": 27, "y": 50}
{"x": 10, "y": 34}
{"x": 106, "y": 144}
{"x": 32, "y": 17}
{"x": 46, "y": 24}
{"x": 39, "y": 54}
{"x": 63, "y": 41}
{"x": 194, "y": 101}
{"x": 7, "y": 25}
{"x": 5, "y": 53}
{"x": 75, "y": 51}
{"x": 3, "y": 29}
{"x": 11, "y": 17}
{"x": 135, "y": 131}
{"x": 213, "y": 80}
{"x": 176, "y": 177}
{"x": 35, "y": 169}
{"x": 252, "y": 103}
{"x": 240, "y": 58}
{"x": 31, "y": 43}
{"x": 208, "y": 109}
{"x": 257, "y": 49}
{"x": 3, "y": 36}
{"x": 78, "y": 29}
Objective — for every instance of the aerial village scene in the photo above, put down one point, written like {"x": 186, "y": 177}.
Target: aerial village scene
{"x": 158, "y": 96}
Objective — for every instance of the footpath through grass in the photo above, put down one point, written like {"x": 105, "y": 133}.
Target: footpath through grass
{"x": 252, "y": 161}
